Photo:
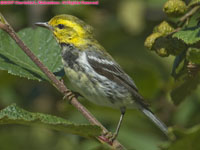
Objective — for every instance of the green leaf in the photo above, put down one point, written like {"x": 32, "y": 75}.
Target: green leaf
{"x": 193, "y": 55}
{"x": 15, "y": 115}
{"x": 190, "y": 35}
{"x": 186, "y": 139}
{"x": 41, "y": 43}
{"x": 184, "y": 89}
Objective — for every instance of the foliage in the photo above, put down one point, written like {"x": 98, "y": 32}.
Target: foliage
{"x": 189, "y": 35}
{"x": 175, "y": 8}
{"x": 194, "y": 2}
{"x": 179, "y": 40}
{"x": 189, "y": 137}
{"x": 15, "y": 115}
{"x": 16, "y": 62}
{"x": 185, "y": 34}
{"x": 121, "y": 28}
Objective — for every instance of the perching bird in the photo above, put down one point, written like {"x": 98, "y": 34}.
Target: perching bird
{"x": 93, "y": 72}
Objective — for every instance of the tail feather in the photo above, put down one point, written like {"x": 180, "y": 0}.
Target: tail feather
{"x": 154, "y": 119}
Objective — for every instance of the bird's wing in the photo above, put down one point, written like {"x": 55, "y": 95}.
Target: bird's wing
{"x": 104, "y": 65}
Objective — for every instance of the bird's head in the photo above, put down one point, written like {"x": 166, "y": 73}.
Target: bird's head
{"x": 69, "y": 29}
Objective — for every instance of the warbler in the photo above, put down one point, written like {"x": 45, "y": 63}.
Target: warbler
{"x": 93, "y": 72}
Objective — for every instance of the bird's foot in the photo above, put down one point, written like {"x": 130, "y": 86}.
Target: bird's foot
{"x": 108, "y": 137}
{"x": 69, "y": 95}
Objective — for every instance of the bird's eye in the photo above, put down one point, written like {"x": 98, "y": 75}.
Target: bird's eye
{"x": 61, "y": 26}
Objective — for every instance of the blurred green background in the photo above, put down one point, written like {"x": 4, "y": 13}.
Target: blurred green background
{"x": 121, "y": 27}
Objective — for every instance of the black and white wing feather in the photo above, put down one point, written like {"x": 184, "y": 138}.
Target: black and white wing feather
{"x": 106, "y": 66}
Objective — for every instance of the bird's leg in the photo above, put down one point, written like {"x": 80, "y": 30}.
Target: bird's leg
{"x": 111, "y": 137}
{"x": 123, "y": 110}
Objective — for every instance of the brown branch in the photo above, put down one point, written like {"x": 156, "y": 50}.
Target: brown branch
{"x": 189, "y": 14}
{"x": 183, "y": 20}
{"x": 58, "y": 84}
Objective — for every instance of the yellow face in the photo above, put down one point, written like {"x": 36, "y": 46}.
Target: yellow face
{"x": 69, "y": 29}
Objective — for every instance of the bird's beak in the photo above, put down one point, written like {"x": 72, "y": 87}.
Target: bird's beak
{"x": 43, "y": 24}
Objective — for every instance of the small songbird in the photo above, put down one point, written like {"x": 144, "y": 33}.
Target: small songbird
{"x": 93, "y": 72}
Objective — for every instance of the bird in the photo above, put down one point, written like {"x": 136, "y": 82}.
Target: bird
{"x": 93, "y": 72}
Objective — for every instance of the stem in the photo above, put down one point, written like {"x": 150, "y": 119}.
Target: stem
{"x": 188, "y": 14}
{"x": 58, "y": 84}
{"x": 183, "y": 20}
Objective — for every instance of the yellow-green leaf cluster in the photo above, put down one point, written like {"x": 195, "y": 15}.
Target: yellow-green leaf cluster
{"x": 164, "y": 28}
{"x": 175, "y": 8}
{"x": 161, "y": 41}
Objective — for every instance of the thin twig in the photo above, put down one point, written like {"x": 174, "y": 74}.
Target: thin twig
{"x": 183, "y": 19}
{"x": 58, "y": 84}
{"x": 188, "y": 14}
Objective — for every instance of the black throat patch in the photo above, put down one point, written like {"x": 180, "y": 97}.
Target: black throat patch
{"x": 69, "y": 54}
